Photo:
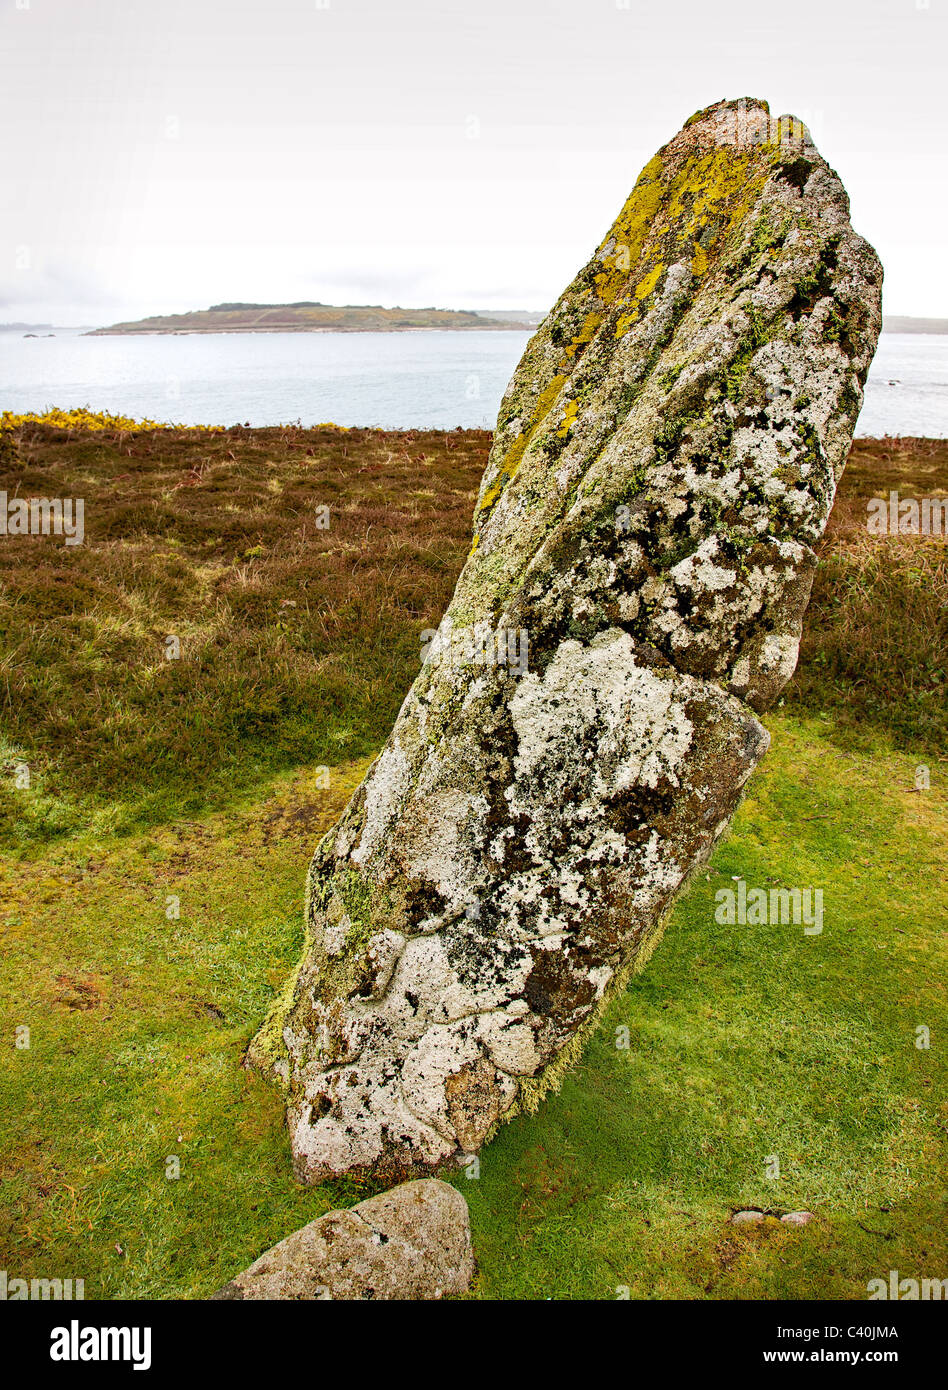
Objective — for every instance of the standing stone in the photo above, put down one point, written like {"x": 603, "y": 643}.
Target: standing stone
{"x": 583, "y": 724}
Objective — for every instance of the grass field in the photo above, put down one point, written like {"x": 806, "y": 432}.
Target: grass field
{"x": 153, "y": 872}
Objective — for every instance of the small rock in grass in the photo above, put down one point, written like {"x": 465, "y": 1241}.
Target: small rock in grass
{"x": 413, "y": 1242}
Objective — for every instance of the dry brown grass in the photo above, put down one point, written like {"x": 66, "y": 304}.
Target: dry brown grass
{"x": 298, "y": 643}
{"x": 875, "y": 646}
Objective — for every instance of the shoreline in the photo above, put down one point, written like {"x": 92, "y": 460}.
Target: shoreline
{"x": 80, "y": 420}
{"x": 299, "y": 328}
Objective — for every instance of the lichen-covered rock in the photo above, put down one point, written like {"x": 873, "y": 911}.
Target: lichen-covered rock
{"x": 665, "y": 458}
{"x": 413, "y": 1242}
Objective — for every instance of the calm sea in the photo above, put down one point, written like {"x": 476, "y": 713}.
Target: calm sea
{"x": 432, "y": 380}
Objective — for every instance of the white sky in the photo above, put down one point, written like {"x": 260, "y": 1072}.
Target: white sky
{"x": 163, "y": 155}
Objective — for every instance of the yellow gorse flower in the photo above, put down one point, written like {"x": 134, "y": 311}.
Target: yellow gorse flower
{"x": 82, "y": 418}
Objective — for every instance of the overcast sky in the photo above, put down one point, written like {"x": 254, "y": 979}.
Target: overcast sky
{"x": 164, "y": 155}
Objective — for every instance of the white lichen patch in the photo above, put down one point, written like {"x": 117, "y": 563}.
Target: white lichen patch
{"x": 385, "y": 791}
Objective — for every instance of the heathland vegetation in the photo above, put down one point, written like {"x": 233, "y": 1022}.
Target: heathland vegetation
{"x": 154, "y": 865}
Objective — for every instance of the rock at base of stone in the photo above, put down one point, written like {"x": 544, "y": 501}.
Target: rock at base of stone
{"x": 413, "y": 1242}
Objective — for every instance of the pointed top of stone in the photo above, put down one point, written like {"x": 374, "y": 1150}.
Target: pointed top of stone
{"x": 702, "y": 374}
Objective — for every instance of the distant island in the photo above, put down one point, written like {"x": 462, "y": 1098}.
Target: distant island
{"x": 316, "y": 318}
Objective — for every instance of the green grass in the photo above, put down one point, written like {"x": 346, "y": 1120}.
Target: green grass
{"x": 746, "y": 1042}
{"x": 137, "y": 1025}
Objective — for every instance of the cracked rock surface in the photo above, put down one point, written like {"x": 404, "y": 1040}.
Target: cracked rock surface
{"x": 666, "y": 456}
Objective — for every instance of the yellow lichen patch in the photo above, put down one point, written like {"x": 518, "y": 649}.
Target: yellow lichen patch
{"x": 645, "y": 286}
{"x": 608, "y": 283}
{"x": 711, "y": 188}
{"x": 569, "y": 418}
{"x": 518, "y": 448}
{"x": 590, "y": 323}
{"x": 545, "y": 401}
{"x": 641, "y": 292}
{"x": 632, "y": 227}
{"x": 723, "y": 175}
{"x": 503, "y": 478}
{"x": 662, "y": 221}
{"x": 667, "y": 217}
